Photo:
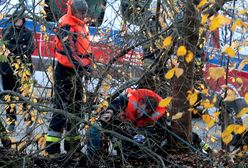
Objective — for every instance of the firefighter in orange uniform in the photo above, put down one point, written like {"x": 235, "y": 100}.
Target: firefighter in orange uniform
{"x": 141, "y": 108}
{"x": 73, "y": 52}
{"x": 138, "y": 106}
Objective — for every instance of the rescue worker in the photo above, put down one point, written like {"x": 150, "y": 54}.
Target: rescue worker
{"x": 141, "y": 108}
{"x": 73, "y": 52}
{"x": 19, "y": 41}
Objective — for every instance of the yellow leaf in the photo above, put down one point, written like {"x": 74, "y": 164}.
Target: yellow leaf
{"x": 8, "y": 121}
{"x": 239, "y": 80}
{"x": 211, "y": 57}
{"x": 16, "y": 66}
{"x": 242, "y": 64}
{"x": 205, "y": 91}
{"x": 239, "y": 129}
{"x": 165, "y": 102}
{"x": 240, "y": 154}
{"x": 238, "y": 23}
{"x": 43, "y": 4}
{"x": 46, "y": 37}
{"x": 92, "y": 120}
{"x": 206, "y": 118}
{"x": 206, "y": 104}
{"x": 181, "y": 51}
{"x": 195, "y": 111}
{"x": 245, "y": 148}
{"x": 94, "y": 66}
{"x": 213, "y": 139}
{"x": 227, "y": 139}
{"x": 230, "y": 52}
{"x": 244, "y": 11}
{"x": 242, "y": 112}
{"x": 211, "y": 123}
{"x": 218, "y": 21}
{"x": 230, "y": 128}
{"x": 40, "y": 121}
{"x": 27, "y": 72}
{"x": 231, "y": 95}
{"x": 43, "y": 12}
{"x": 170, "y": 73}
{"x": 216, "y": 115}
{"x": 216, "y": 72}
{"x": 43, "y": 28}
{"x": 192, "y": 98}
{"x": 235, "y": 24}
{"x": 167, "y": 42}
{"x": 7, "y": 98}
{"x": 204, "y": 19}
{"x": 12, "y": 106}
{"x": 50, "y": 69}
{"x": 192, "y": 110}
{"x": 105, "y": 104}
{"x": 105, "y": 87}
{"x": 35, "y": 100}
{"x": 86, "y": 126}
{"x": 189, "y": 57}
{"x": 214, "y": 99}
{"x": 109, "y": 77}
{"x": 178, "y": 72}
{"x": 202, "y": 3}
{"x": 177, "y": 116}
{"x": 246, "y": 98}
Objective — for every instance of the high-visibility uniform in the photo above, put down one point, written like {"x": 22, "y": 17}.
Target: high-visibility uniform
{"x": 79, "y": 39}
{"x": 125, "y": 108}
{"x": 134, "y": 96}
{"x": 72, "y": 51}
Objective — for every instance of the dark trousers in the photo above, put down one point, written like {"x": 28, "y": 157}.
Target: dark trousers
{"x": 68, "y": 97}
{"x": 10, "y": 82}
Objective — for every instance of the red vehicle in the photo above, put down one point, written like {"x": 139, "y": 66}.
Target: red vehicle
{"x": 237, "y": 78}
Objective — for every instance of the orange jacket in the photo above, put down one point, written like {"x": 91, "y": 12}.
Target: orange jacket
{"x": 134, "y": 96}
{"x": 80, "y": 46}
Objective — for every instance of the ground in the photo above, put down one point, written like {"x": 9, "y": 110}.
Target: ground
{"x": 173, "y": 159}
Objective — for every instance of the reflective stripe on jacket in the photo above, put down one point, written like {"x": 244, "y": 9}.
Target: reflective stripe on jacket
{"x": 53, "y": 136}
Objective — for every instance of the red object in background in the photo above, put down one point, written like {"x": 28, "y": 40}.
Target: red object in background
{"x": 44, "y": 48}
{"x": 217, "y": 85}
{"x": 102, "y": 53}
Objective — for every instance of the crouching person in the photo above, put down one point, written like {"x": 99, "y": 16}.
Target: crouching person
{"x": 138, "y": 108}
{"x": 135, "y": 107}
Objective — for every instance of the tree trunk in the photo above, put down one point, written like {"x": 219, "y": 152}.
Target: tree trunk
{"x": 188, "y": 33}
